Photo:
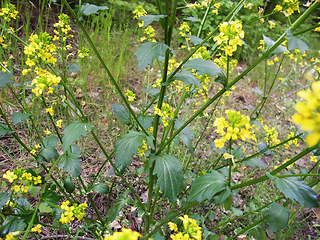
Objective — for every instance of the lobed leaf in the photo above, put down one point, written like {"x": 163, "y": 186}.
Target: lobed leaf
{"x": 277, "y": 217}
{"x": 295, "y": 42}
{"x": 207, "y": 186}
{"x": 73, "y": 132}
{"x": 148, "y": 52}
{"x": 71, "y": 161}
{"x": 121, "y": 113}
{"x": 169, "y": 172}
{"x": 269, "y": 42}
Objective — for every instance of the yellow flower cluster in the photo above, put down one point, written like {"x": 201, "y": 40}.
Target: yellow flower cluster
{"x": 230, "y": 37}
{"x": 23, "y": 179}
{"x": 70, "y": 213}
{"x": 9, "y": 12}
{"x": 198, "y": 4}
{"x": 291, "y": 142}
{"x": 289, "y": 7}
{"x": 44, "y": 80}
{"x": 11, "y": 236}
{"x": 308, "y": 113}
{"x": 131, "y": 96}
{"x": 165, "y": 112}
{"x": 184, "y": 29}
{"x": 40, "y": 47}
{"x": 125, "y": 234}
{"x": 83, "y": 52}
{"x": 36, "y": 228}
{"x": 191, "y": 229}
{"x": 272, "y": 135}
{"x": 150, "y": 34}
{"x": 238, "y": 127}
{"x": 63, "y": 29}
{"x": 143, "y": 148}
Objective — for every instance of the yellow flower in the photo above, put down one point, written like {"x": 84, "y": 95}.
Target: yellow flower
{"x": 308, "y": 113}
{"x": 36, "y": 228}
{"x": 143, "y": 148}
{"x": 37, "y": 180}
{"x": 126, "y": 234}
{"x": 165, "y": 112}
{"x": 131, "y": 96}
{"x": 10, "y": 176}
{"x": 173, "y": 226}
{"x": 50, "y": 111}
{"x": 58, "y": 123}
{"x": 47, "y": 131}
{"x": 16, "y": 188}
{"x": 313, "y": 159}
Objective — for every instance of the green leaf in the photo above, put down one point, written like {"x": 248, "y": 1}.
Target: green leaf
{"x": 100, "y": 188}
{"x": 295, "y": 189}
{"x": 255, "y": 162}
{"x": 207, "y": 67}
{"x": 148, "y": 19}
{"x": 207, "y": 186}
{"x": 51, "y": 197}
{"x": 69, "y": 185}
{"x": 50, "y": 141}
{"x": 186, "y": 131}
{"x": 12, "y": 224}
{"x": 88, "y": 9}
{"x": 126, "y": 147}
{"x": 73, "y": 132}
{"x": 148, "y": 52}
{"x": 113, "y": 212}
{"x": 169, "y": 172}
{"x": 18, "y": 117}
{"x": 187, "y": 78}
{"x": 71, "y": 162}
{"x": 4, "y": 130}
{"x": 43, "y": 208}
{"x": 145, "y": 121}
{"x": 4, "y": 197}
{"x": 277, "y": 217}
{"x": 121, "y": 113}
{"x": 269, "y": 42}
{"x": 196, "y": 40}
{"x": 295, "y": 42}
{"x": 5, "y": 78}
{"x": 34, "y": 190}
{"x": 47, "y": 154}
{"x": 73, "y": 68}
{"x": 188, "y": 142}
{"x": 264, "y": 149}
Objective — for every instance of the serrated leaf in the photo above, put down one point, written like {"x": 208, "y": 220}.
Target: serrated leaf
{"x": 73, "y": 132}
{"x": 295, "y": 42}
{"x": 5, "y": 78}
{"x": 100, "y": 188}
{"x": 51, "y": 197}
{"x": 269, "y": 42}
{"x": 88, "y": 9}
{"x": 187, "y": 78}
{"x": 255, "y": 162}
{"x": 47, "y": 154}
{"x": 4, "y": 198}
{"x": 277, "y": 217}
{"x": 207, "y": 186}
{"x": 4, "y": 130}
{"x": 145, "y": 121}
{"x": 12, "y": 224}
{"x": 50, "y": 141}
{"x": 113, "y": 212}
{"x": 264, "y": 149}
{"x": 196, "y": 40}
{"x": 71, "y": 162}
{"x": 169, "y": 172}
{"x": 148, "y": 19}
{"x": 206, "y": 67}
{"x": 126, "y": 147}
{"x": 148, "y": 52}
{"x": 69, "y": 185}
{"x": 43, "y": 208}
{"x": 18, "y": 117}
{"x": 121, "y": 113}
{"x": 73, "y": 68}
{"x": 295, "y": 189}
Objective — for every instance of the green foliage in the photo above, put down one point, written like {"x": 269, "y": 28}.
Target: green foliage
{"x": 169, "y": 172}
{"x": 88, "y": 9}
{"x": 18, "y": 117}
{"x": 71, "y": 162}
{"x": 5, "y": 78}
{"x": 277, "y": 217}
{"x": 121, "y": 113}
{"x": 148, "y": 19}
{"x": 207, "y": 186}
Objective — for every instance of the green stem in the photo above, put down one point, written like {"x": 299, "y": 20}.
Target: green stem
{"x": 280, "y": 168}
{"x": 204, "y": 18}
{"x": 256, "y": 223}
{"x": 38, "y": 204}
{"x": 115, "y": 84}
